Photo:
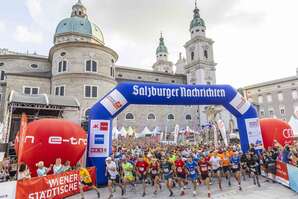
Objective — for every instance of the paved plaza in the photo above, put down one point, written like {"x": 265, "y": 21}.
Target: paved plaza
{"x": 250, "y": 191}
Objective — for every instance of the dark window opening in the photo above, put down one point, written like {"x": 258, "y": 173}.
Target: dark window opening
{"x": 206, "y": 54}
{"x": 34, "y": 66}
{"x": 192, "y": 56}
{"x": 171, "y": 117}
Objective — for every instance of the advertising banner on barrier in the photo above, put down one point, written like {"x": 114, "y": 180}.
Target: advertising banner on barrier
{"x": 254, "y": 132}
{"x": 293, "y": 177}
{"x": 52, "y": 186}
{"x": 8, "y": 190}
{"x": 99, "y": 140}
{"x": 282, "y": 175}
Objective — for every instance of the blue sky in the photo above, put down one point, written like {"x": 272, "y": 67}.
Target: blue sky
{"x": 254, "y": 40}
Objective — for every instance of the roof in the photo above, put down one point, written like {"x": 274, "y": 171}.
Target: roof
{"x": 197, "y": 20}
{"x": 33, "y": 74}
{"x": 43, "y": 99}
{"x": 272, "y": 82}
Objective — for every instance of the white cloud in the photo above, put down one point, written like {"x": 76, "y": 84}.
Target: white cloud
{"x": 25, "y": 35}
{"x": 34, "y": 7}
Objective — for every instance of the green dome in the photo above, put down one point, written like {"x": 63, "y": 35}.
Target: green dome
{"x": 161, "y": 48}
{"x": 79, "y": 25}
{"x": 197, "y": 21}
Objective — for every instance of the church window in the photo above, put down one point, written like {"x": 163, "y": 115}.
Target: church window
{"x": 90, "y": 91}
{"x": 129, "y": 116}
{"x": 80, "y": 13}
{"x": 34, "y": 66}
{"x": 197, "y": 30}
{"x": 171, "y": 117}
{"x": 173, "y": 81}
{"x": 191, "y": 32}
{"x": 206, "y": 54}
{"x": 139, "y": 77}
{"x": 63, "y": 54}
{"x": 62, "y": 66}
{"x": 91, "y": 66}
{"x": 120, "y": 75}
{"x": 282, "y": 110}
{"x": 112, "y": 72}
{"x": 192, "y": 56}
{"x": 1, "y": 64}
{"x": 203, "y": 30}
{"x": 0, "y": 97}
{"x": 188, "y": 117}
{"x": 2, "y": 75}
{"x": 151, "y": 116}
{"x": 59, "y": 90}
{"x": 157, "y": 79}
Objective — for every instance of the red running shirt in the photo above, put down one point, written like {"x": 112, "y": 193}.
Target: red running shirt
{"x": 179, "y": 164}
{"x": 203, "y": 167}
{"x": 142, "y": 166}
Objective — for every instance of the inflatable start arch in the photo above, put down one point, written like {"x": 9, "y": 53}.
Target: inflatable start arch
{"x": 103, "y": 112}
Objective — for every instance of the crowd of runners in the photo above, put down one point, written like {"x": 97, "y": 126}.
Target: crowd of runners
{"x": 181, "y": 166}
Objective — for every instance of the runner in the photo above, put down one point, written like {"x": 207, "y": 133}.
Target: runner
{"x": 113, "y": 176}
{"x": 85, "y": 180}
{"x": 252, "y": 163}
{"x": 142, "y": 168}
{"x": 192, "y": 171}
{"x": 225, "y": 158}
{"x": 244, "y": 166}
{"x": 167, "y": 170}
{"x": 215, "y": 162}
{"x": 154, "y": 174}
{"x": 235, "y": 165}
{"x": 203, "y": 165}
{"x": 127, "y": 173}
{"x": 180, "y": 173}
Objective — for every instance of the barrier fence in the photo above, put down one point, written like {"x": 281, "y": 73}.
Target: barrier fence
{"x": 51, "y": 186}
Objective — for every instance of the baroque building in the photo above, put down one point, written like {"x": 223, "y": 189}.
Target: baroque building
{"x": 80, "y": 69}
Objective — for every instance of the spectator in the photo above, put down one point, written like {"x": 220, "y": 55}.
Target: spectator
{"x": 67, "y": 166}
{"x": 58, "y": 167}
{"x": 286, "y": 153}
{"x": 24, "y": 172}
{"x": 4, "y": 176}
{"x": 42, "y": 170}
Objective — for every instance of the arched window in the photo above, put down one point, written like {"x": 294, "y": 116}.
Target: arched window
{"x": 91, "y": 66}
{"x": 129, "y": 116}
{"x": 151, "y": 116}
{"x": 112, "y": 72}
{"x": 206, "y": 54}
{"x": 62, "y": 66}
{"x": 87, "y": 114}
{"x": 188, "y": 117}
{"x": 192, "y": 56}
{"x": 171, "y": 117}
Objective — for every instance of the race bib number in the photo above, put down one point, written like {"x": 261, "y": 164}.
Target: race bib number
{"x": 113, "y": 177}
{"x": 166, "y": 170}
{"x": 235, "y": 166}
{"x": 192, "y": 172}
{"x": 204, "y": 168}
{"x": 179, "y": 169}
{"x": 154, "y": 172}
{"x": 142, "y": 169}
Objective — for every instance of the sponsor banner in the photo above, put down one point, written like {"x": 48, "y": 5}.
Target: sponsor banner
{"x": 254, "y": 132}
{"x": 99, "y": 140}
{"x": 52, "y": 186}
{"x": 8, "y": 190}
{"x": 293, "y": 177}
{"x": 114, "y": 101}
{"x": 240, "y": 104}
{"x": 222, "y": 129}
{"x": 282, "y": 173}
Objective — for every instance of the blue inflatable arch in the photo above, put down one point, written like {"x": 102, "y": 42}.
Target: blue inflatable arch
{"x": 124, "y": 94}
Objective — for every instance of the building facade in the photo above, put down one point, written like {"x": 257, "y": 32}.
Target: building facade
{"x": 276, "y": 99}
{"x": 81, "y": 66}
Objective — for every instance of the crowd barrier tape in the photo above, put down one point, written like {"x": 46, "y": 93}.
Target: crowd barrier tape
{"x": 52, "y": 186}
{"x": 286, "y": 175}
{"x": 8, "y": 190}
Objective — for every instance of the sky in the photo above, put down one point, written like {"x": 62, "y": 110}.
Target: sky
{"x": 255, "y": 40}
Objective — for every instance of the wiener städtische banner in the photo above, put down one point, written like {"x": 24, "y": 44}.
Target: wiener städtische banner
{"x": 282, "y": 175}
{"x": 52, "y": 186}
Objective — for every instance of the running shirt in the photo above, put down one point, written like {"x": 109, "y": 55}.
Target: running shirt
{"x": 215, "y": 162}
{"x": 142, "y": 166}
{"x": 191, "y": 167}
{"x": 235, "y": 162}
{"x": 127, "y": 168}
{"x": 225, "y": 159}
{"x": 203, "y": 167}
{"x": 112, "y": 169}
{"x": 166, "y": 167}
{"x": 179, "y": 164}
{"x": 154, "y": 168}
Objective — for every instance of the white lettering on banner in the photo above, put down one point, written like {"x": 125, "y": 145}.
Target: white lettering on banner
{"x": 99, "y": 140}
{"x": 254, "y": 132}
{"x": 151, "y": 91}
{"x": 240, "y": 104}
{"x": 8, "y": 190}
{"x": 288, "y": 133}
{"x": 57, "y": 140}
{"x": 114, "y": 101}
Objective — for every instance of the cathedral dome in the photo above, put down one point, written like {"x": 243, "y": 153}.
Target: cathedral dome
{"x": 162, "y": 47}
{"x": 79, "y": 24}
{"x": 197, "y": 20}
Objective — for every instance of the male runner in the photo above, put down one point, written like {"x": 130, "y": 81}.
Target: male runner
{"x": 167, "y": 170}
{"x": 113, "y": 176}
{"x": 215, "y": 162}
{"x": 142, "y": 168}
{"x": 203, "y": 165}
{"x": 180, "y": 173}
{"x": 235, "y": 167}
{"x": 192, "y": 171}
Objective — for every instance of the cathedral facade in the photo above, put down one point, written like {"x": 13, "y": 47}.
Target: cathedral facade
{"x": 82, "y": 69}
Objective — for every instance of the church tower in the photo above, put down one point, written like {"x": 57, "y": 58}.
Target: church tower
{"x": 200, "y": 67}
{"x": 162, "y": 64}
